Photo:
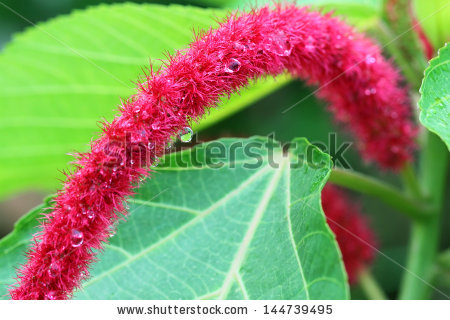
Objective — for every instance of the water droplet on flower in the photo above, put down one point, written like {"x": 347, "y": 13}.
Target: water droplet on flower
{"x": 280, "y": 45}
{"x": 155, "y": 163}
{"x": 370, "y": 59}
{"x": 155, "y": 126}
{"x": 50, "y": 295}
{"x": 145, "y": 115}
{"x": 370, "y": 91}
{"x": 233, "y": 66}
{"x": 186, "y": 134}
{"x": 91, "y": 214}
{"x": 241, "y": 47}
{"x": 395, "y": 149}
{"x": 76, "y": 238}
{"x": 53, "y": 270}
{"x": 111, "y": 231}
{"x": 309, "y": 46}
{"x": 132, "y": 161}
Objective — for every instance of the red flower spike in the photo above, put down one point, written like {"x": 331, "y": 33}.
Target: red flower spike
{"x": 360, "y": 85}
{"x": 353, "y": 234}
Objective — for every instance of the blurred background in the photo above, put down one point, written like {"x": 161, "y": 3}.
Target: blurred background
{"x": 308, "y": 119}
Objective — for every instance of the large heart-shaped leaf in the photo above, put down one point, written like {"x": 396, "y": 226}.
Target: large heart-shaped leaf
{"x": 229, "y": 219}
{"x": 59, "y": 78}
{"x": 435, "y": 100}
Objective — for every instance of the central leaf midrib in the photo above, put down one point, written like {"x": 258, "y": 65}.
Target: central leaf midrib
{"x": 253, "y": 226}
{"x": 291, "y": 235}
{"x": 192, "y": 222}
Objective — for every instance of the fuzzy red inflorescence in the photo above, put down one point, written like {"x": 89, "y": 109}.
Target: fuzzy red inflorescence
{"x": 353, "y": 234}
{"x": 361, "y": 87}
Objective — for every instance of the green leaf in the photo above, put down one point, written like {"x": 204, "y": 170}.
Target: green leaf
{"x": 433, "y": 17}
{"x": 361, "y": 13}
{"x": 434, "y": 103}
{"x": 199, "y": 229}
{"x": 59, "y": 78}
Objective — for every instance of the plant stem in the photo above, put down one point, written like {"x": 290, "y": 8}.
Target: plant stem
{"x": 411, "y": 183}
{"x": 370, "y": 286}
{"x": 425, "y": 233}
{"x": 383, "y": 191}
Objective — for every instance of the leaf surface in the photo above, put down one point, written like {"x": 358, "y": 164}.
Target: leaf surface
{"x": 214, "y": 224}
{"x": 434, "y": 103}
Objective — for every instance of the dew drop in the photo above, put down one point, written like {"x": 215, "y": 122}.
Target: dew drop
{"x": 370, "y": 91}
{"x": 112, "y": 231}
{"x": 155, "y": 163}
{"x": 91, "y": 214}
{"x": 370, "y": 59}
{"x": 53, "y": 270}
{"x": 310, "y": 44}
{"x": 233, "y": 66}
{"x": 280, "y": 45}
{"x": 186, "y": 134}
{"x": 240, "y": 47}
{"x": 310, "y": 47}
{"x": 76, "y": 238}
{"x": 395, "y": 149}
{"x": 131, "y": 161}
{"x": 50, "y": 295}
{"x": 155, "y": 126}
